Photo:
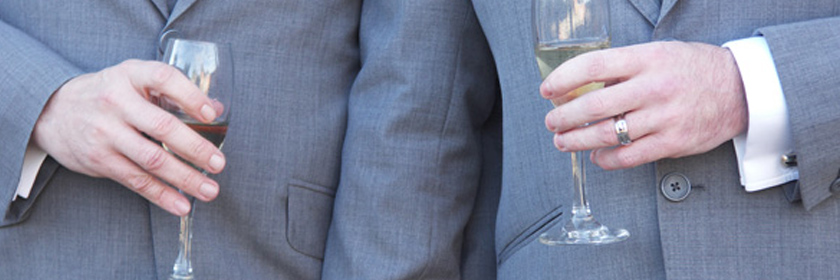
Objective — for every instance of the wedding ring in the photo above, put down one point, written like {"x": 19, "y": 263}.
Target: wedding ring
{"x": 621, "y": 130}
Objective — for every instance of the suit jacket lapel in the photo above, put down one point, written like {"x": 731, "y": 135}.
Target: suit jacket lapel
{"x": 666, "y": 7}
{"x": 650, "y": 9}
{"x": 161, "y": 7}
{"x": 180, "y": 7}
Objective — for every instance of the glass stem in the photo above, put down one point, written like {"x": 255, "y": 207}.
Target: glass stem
{"x": 182, "y": 269}
{"x": 580, "y": 207}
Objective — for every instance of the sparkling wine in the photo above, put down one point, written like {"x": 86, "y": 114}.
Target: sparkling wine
{"x": 551, "y": 56}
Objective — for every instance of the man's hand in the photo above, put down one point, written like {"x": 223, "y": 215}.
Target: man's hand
{"x": 94, "y": 124}
{"x": 679, "y": 99}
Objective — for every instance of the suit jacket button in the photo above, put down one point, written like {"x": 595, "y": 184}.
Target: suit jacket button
{"x": 675, "y": 186}
{"x": 164, "y": 38}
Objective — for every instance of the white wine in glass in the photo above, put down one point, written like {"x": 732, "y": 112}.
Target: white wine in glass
{"x": 550, "y": 56}
{"x": 564, "y": 29}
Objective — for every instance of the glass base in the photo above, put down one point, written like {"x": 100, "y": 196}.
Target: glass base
{"x": 583, "y": 230}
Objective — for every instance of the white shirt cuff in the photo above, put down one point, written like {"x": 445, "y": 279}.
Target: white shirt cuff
{"x": 768, "y": 136}
{"x": 32, "y": 160}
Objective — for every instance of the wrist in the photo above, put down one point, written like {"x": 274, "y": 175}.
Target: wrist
{"x": 728, "y": 78}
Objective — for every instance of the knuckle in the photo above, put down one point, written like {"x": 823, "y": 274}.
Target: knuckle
{"x": 596, "y": 105}
{"x": 191, "y": 179}
{"x": 659, "y": 51}
{"x": 656, "y": 51}
{"x": 146, "y": 185}
{"x": 163, "y": 124}
{"x": 669, "y": 145}
{"x": 579, "y": 143}
{"x": 130, "y": 63}
{"x": 94, "y": 132}
{"x": 161, "y": 74}
{"x": 597, "y": 65}
{"x": 93, "y": 150}
{"x": 154, "y": 159}
{"x": 664, "y": 90}
{"x": 626, "y": 160}
{"x": 669, "y": 121}
{"x": 608, "y": 135}
{"x": 109, "y": 98}
{"x": 125, "y": 67}
{"x": 667, "y": 88}
{"x": 200, "y": 147}
{"x": 94, "y": 158}
{"x": 136, "y": 63}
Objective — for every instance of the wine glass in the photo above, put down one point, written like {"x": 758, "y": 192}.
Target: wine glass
{"x": 210, "y": 67}
{"x": 563, "y": 30}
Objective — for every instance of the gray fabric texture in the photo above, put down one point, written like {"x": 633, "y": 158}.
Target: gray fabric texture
{"x": 354, "y": 151}
{"x": 719, "y": 231}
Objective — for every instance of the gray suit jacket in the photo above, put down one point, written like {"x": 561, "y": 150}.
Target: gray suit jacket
{"x": 354, "y": 151}
{"x": 719, "y": 231}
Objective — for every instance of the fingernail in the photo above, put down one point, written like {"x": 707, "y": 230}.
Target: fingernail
{"x": 208, "y": 190}
{"x": 182, "y": 206}
{"x": 549, "y": 127}
{"x": 208, "y": 113}
{"x": 558, "y": 142}
{"x": 217, "y": 162}
{"x": 217, "y": 106}
{"x": 548, "y": 124}
{"x": 546, "y": 89}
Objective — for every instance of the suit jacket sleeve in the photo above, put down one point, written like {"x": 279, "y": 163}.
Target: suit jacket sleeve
{"x": 412, "y": 155}
{"x": 806, "y": 57}
{"x": 29, "y": 73}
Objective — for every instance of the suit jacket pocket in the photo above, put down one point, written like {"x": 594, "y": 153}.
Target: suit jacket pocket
{"x": 530, "y": 234}
{"x": 310, "y": 212}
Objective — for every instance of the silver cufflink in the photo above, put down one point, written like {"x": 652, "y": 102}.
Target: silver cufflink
{"x": 789, "y": 160}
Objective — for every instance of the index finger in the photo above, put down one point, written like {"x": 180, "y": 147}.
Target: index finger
{"x": 607, "y": 65}
{"x": 154, "y": 76}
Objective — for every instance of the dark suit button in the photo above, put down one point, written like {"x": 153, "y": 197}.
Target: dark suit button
{"x": 675, "y": 186}
{"x": 164, "y": 38}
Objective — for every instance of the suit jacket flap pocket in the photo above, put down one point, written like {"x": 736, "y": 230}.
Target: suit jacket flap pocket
{"x": 310, "y": 213}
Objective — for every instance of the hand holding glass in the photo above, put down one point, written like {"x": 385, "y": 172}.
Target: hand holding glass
{"x": 563, "y": 30}
{"x": 210, "y": 67}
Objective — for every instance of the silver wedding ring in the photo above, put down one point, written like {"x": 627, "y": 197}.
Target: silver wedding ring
{"x": 621, "y": 130}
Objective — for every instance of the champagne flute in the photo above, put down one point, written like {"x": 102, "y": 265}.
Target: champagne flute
{"x": 210, "y": 67}
{"x": 563, "y": 30}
